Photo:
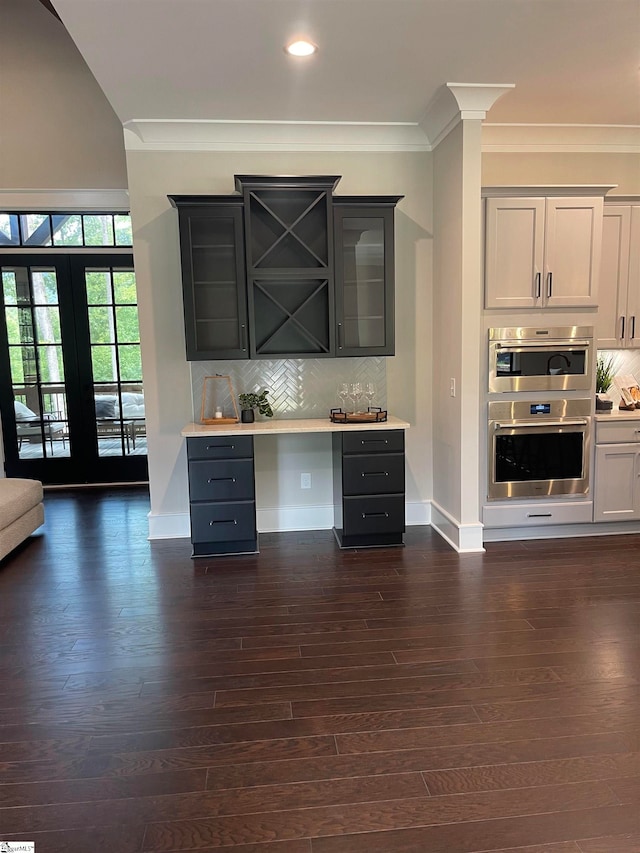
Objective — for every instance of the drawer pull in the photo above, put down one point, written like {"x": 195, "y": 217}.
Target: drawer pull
{"x": 221, "y": 480}
{"x": 539, "y": 515}
{"x": 382, "y": 473}
{"x": 375, "y": 515}
{"x": 223, "y": 521}
{"x": 364, "y": 441}
{"x": 221, "y": 446}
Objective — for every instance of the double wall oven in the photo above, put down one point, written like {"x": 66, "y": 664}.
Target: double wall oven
{"x": 539, "y": 439}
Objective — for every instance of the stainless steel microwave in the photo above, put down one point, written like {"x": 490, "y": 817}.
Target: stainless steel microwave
{"x": 541, "y": 359}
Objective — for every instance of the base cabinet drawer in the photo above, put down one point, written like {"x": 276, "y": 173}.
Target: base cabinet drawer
{"x": 221, "y": 479}
{"x": 371, "y": 474}
{"x": 529, "y": 515}
{"x": 373, "y": 441}
{"x": 220, "y": 447}
{"x": 380, "y": 514}
{"x": 228, "y": 522}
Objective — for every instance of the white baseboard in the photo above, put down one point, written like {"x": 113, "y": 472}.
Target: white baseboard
{"x": 276, "y": 520}
{"x": 175, "y": 525}
{"x": 560, "y": 531}
{"x": 464, "y": 538}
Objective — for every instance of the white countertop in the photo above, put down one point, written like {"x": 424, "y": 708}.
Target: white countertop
{"x": 277, "y": 426}
{"x": 617, "y": 414}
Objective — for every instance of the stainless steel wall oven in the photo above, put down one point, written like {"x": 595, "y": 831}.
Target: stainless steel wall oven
{"x": 541, "y": 359}
{"x": 538, "y": 448}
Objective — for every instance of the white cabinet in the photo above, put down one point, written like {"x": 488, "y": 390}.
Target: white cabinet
{"x": 542, "y": 252}
{"x": 618, "y": 324}
{"x": 617, "y": 476}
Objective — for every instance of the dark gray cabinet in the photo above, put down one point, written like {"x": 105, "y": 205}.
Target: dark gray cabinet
{"x": 284, "y": 269}
{"x": 369, "y": 488}
{"x": 364, "y": 275}
{"x": 222, "y": 495}
{"x": 289, "y": 260}
{"x": 213, "y": 276}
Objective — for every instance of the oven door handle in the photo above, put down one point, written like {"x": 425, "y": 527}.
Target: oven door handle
{"x": 516, "y": 346}
{"x": 529, "y": 425}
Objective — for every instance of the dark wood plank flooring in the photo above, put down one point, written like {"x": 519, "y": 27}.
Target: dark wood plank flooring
{"x": 308, "y": 700}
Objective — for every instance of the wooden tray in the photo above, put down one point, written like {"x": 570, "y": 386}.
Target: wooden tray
{"x": 372, "y": 415}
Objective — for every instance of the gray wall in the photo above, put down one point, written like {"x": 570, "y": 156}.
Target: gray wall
{"x": 57, "y": 129}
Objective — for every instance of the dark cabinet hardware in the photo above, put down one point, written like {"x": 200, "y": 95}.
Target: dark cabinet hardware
{"x": 221, "y": 480}
{"x": 223, "y": 521}
{"x": 539, "y": 515}
{"x": 375, "y": 473}
{"x": 375, "y": 515}
{"x": 538, "y": 285}
{"x": 549, "y": 285}
{"x": 622, "y": 327}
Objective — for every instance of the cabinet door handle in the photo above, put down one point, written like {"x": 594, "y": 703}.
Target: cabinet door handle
{"x": 221, "y": 446}
{"x": 538, "y": 285}
{"x": 622, "y": 328}
{"x": 375, "y": 515}
{"x": 549, "y": 285}
{"x": 364, "y": 441}
{"x": 340, "y": 336}
{"x": 375, "y": 473}
{"x": 539, "y": 515}
{"x": 243, "y": 337}
{"x": 221, "y": 480}
{"x": 633, "y": 327}
{"x": 223, "y": 521}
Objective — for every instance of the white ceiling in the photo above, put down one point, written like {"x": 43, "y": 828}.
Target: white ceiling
{"x": 379, "y": 61}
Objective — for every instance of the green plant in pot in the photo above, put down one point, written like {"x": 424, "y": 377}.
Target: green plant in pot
{"x": 251, "y": 401}
{"x": 605, "y": 371}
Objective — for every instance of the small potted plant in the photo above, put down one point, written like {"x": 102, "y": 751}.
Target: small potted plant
{"x": 605, "y": 371}
{"x": 254, "y": 400}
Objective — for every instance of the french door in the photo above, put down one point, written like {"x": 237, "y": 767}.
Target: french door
{"x": 71, "y": 395}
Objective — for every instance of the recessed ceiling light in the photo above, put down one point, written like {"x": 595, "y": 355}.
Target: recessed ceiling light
{"x": 301, "y": 47}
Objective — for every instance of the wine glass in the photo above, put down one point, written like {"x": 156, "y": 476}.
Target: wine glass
{"x": 370, "y": 392}
{"x": 355, "y": 392}
{"x": 343, "y": 393}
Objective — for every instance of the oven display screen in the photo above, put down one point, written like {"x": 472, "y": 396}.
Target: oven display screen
{"x": 541, "y": 409}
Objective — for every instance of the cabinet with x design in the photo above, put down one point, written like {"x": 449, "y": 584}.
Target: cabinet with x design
{"x": 284, "y": 269}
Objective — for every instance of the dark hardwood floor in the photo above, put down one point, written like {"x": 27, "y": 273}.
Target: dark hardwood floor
{"x": 308, "y": 700}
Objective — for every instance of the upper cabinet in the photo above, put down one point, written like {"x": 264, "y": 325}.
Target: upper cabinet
{"x": 213, "y": 276}
{"x": 289, "y": 256}
{"x": 542, "y": 252}
{"x": 364, "y": 264}
{"x": 293, "y": 272}
{"x": 618, "y": 324}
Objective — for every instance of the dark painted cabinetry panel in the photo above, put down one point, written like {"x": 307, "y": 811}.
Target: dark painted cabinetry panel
{"x": 284, "y": 269}
{"x": 364, "y": 275}
{"x": 213, "y": 277}
{"x": 289, "y": 259}
{"x": 222, "y": 495}
{"x": 369, "y": 488}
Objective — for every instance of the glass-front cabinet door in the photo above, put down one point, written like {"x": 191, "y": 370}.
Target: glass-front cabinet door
{"x": 364, "y": 277}
{"x": 213, "y": 277}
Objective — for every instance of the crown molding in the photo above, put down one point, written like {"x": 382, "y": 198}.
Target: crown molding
{"x": 63, "y": 199}
{"x": 574, "y": 138}
{"x": 203, "y": 135}
{"x": 547, "y": 190}
{"x": 456, "y": 102}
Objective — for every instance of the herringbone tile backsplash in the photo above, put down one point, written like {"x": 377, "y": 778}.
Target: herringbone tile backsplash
{"x": 298, "y": 388}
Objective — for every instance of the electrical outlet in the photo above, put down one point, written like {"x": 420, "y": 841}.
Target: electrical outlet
{"x": 452, "y": 387}
{"x": 305, "y": 481}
